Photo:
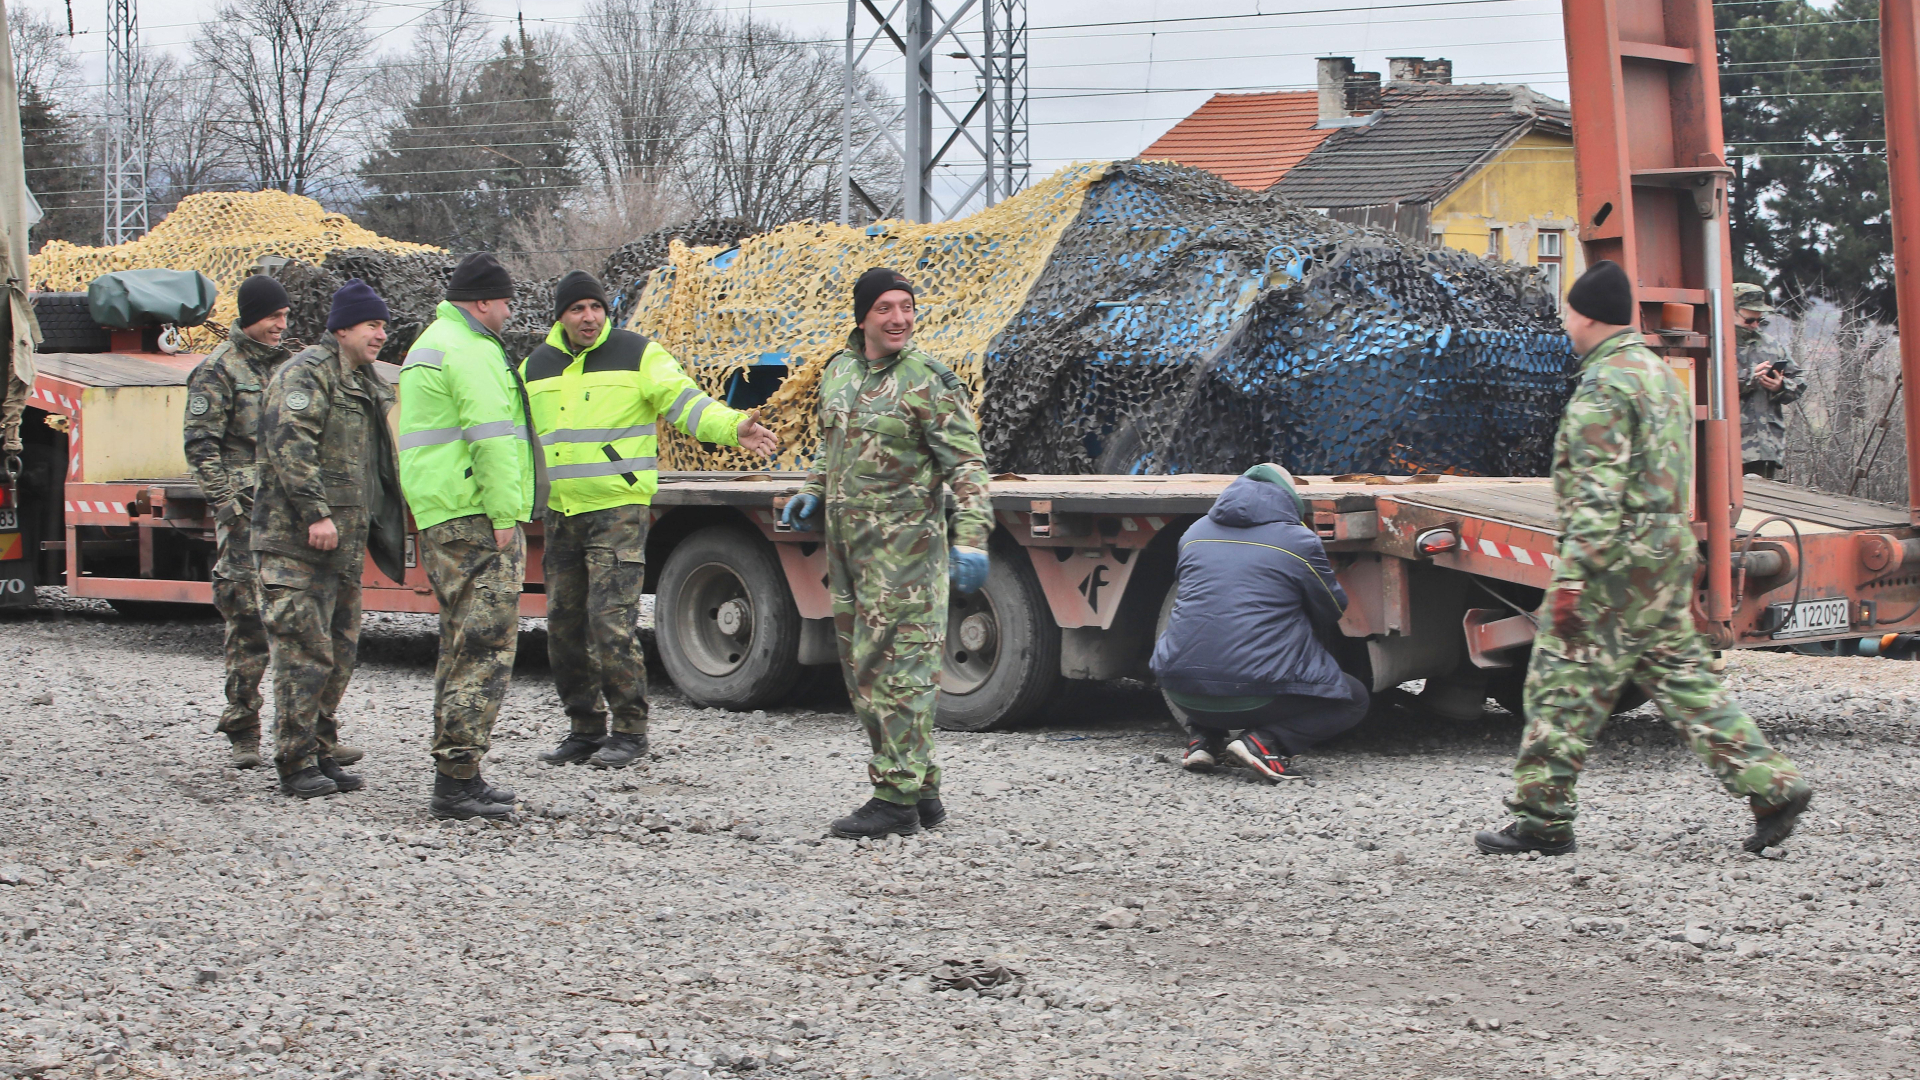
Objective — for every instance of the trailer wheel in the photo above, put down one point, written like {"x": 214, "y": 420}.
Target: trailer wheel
{"x": 1002, "y": 649}
{"x": 726, "y": 627}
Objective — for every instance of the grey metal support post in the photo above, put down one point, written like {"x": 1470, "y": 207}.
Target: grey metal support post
{"x": 915, "y": 181}
{"x": 125, "y": 201}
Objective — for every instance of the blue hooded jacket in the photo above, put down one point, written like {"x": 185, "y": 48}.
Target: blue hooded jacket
{"x": 1256, "y": 596}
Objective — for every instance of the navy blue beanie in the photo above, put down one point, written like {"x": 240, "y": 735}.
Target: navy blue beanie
{"x": 355, "y": 303}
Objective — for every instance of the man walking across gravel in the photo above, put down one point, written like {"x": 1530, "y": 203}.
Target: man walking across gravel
{"x": 469, "y": 474}
{"x": 1769, "y": 382}
{"x": 596, "y": 395}
{"x": 895, "y": 428}
{"x": 1619, "y": 608}
{"x": 327, "y": 488}
{"x": 223, "y": 417}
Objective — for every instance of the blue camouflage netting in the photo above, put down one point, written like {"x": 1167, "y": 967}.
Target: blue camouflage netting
{"x": 1186, "y": 325}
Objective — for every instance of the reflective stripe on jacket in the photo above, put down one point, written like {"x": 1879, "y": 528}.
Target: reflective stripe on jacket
{"x": 596, "y": 413}
{"x": 464, "y": 448}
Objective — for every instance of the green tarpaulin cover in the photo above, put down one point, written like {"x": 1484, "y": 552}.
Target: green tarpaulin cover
{"x": 127, "y": 299}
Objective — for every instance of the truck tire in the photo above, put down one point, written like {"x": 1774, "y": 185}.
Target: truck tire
{"x": 728, "y": 633}
{"x": 1002, "y": 649}
{"x": 66, "y": 324}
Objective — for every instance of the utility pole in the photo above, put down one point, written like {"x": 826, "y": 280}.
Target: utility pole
{"x": 960, "y": 149}
{"x": 126, "y": 151}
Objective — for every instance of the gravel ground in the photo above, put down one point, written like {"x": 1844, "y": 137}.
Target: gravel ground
{"x": 1089, "y": 911}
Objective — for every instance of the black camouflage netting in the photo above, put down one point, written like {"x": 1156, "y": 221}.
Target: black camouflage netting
{"x": 414, "y": 284}
{"x": 1186, "y": 325}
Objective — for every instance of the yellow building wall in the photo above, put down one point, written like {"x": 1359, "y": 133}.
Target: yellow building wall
{"x": 1529, "y": 188}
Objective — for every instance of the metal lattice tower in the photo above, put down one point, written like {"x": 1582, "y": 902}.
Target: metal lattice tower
{"x": 126, "y": 152}
{"x": 961, "y": 149}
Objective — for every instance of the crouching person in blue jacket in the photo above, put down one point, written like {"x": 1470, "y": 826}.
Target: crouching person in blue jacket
{"x": 1245, "y": 647}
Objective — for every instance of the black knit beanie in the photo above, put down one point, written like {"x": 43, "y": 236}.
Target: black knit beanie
{"x": 575, "y": 287}
{"x": 260, "y": 296}
{"x": 1603, "y": 294}
{"x": 871, "y": 284}
{"x": 480, "y": 277}
{"x": 355, "y": 303}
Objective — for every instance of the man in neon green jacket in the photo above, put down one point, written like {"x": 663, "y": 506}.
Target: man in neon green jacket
{"x": 596, "y": 395}
{"x": 470, "y": 477}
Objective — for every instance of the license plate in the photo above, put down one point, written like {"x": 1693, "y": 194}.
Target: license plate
{"x": 1816, "y": 617}
{"x": 9, "y": 518}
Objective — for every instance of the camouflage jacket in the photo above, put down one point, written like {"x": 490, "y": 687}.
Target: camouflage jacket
{"x": 892, "y": 431}
{"x": 1763, "y": 421}
{"x": 223, "y": 416}
{"x": 1622, "y": 463}
{"x": 325, "y": 451}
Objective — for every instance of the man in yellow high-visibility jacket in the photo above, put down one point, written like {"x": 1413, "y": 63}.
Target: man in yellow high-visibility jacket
{"x": 596, "y": 395}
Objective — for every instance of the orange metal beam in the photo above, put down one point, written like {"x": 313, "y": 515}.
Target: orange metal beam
{"x": 1900, "y": 74}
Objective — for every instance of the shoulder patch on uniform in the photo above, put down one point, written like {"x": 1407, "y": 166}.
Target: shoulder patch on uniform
{"x": 946, "y": 374}
{"x": 197, "y": 405}
{"x": 298, "y": 399}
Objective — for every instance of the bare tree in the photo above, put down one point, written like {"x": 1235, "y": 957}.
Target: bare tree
{"x": 641, "y": 100}
{"x": 43, "y": 56}
{"x": 1835, "y": 430}
{"x": 288, "y": 70}
{"x": 768, "y": 149}
{"x": 186, "y": 151}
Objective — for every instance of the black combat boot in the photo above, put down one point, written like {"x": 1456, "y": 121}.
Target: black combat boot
{"x": 1774, "y": 826}
{"x": 876, "y": 819}
{"x": 461, "y": 799}
{"x": 494, "y": 794}
{"x": 573, "y": 750}
{"x": 341, "y": 778}
{"x": 244, "y": 751}
{"x": 932, "y": 812}
{"x": 621, "y": 749}
{"x": 308, "y": 783}
{"x": 1511, "y": 841}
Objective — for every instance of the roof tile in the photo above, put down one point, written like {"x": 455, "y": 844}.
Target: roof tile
{"x": 1249, "y": 139}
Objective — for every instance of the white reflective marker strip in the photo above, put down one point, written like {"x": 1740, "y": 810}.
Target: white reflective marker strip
{"x": 429, "y": 437}
{"x": 602, "y": 468}
{"x": 493, "y": 430}
{"x": 426, "y": 357}
{"x": 699, "y": 410}
{"x": 680, "y": 404}
{"x": 1519, "y": 555}
{"x": 595, "y": 435}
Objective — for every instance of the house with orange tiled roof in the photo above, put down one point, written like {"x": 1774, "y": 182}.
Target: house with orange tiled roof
{"x": 1487, "y": 168}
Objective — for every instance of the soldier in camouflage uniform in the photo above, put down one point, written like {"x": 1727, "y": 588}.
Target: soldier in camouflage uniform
{"x": 327, "y": 480}
{"x": 896, "y": 428}
{"x": 1769, "y": 381}
{"x": 1620, "y": 609}
{"x": 223, "y": 414}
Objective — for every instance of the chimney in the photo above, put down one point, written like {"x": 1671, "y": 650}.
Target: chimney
{"x": 1363, "y": 93}
{"x": 1332, "y": 83}
{"x": 1416, "y": 69}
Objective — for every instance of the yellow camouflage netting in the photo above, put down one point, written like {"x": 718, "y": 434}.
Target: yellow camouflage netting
{"x": 791, "y": 291}
{"x": 222, "y": 235}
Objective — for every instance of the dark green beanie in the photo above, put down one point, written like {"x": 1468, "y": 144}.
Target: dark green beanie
{"x": 1270, "y": 473}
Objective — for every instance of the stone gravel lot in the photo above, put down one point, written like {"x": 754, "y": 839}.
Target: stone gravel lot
{"x": 1090, "y": 910}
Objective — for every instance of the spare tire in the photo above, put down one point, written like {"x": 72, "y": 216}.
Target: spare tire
{"x": 66, "y": 324}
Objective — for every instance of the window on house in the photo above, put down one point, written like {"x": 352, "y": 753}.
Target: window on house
{"x": 1494, "y": 238}
{"x": 1551, "y": 257}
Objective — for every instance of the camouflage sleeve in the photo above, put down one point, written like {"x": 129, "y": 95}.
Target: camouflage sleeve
{"x": 954, "y": 439}
{"x": 291, "y": 426}
{"x": 209, "y": 399}
{"x": 1599, "y": 446}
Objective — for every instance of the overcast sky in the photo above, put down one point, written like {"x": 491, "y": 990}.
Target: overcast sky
{"x": 1107, "y": 76}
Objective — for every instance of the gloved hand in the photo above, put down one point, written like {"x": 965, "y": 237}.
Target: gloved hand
{"x": 1563, "y": 606}
{"x": 800, "y": 512}
{"x": 967, "y": 568}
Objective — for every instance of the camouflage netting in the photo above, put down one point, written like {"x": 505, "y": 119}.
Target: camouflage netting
{"x": 1145, "y": 317}
{"x": 224, "y": 235}
{"x": 1186, "y": 325}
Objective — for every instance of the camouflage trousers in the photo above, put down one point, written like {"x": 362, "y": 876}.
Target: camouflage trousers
{"x": 595, "y": 565}
{"x": 887, "y": 572}
{"x": 312, "y": 613}
{"x": 1571, "y": 690}
{"x": 236, "y": 595}
{"x": 478, "y": 587}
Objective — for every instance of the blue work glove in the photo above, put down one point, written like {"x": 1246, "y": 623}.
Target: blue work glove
{"x": 967, "y": 568}
{"x": 800, "y": 512}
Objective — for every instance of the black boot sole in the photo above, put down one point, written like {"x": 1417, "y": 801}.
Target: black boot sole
{"x": 903, "y": 830}
{"x": 314, "y": 794}
{"x": 461, "y": 813}
{"x": 1772, "y": 830}
{"x": 1492, "y": 842}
